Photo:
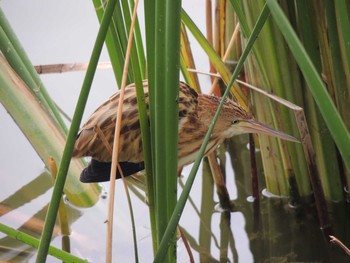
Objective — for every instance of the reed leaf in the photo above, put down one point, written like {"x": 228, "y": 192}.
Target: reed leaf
{"x": 187, "y": 61}
{"x": 18, "y": 59}
{"x": 42, "y": 132}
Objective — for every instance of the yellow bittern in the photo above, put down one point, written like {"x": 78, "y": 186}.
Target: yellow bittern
{"x": 195, "y": 115}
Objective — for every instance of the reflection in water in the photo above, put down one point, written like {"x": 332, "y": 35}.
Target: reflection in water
{"x": 281, "y": 231}
{"x": 267, "y": 231}
{"x": 17, "y": 211}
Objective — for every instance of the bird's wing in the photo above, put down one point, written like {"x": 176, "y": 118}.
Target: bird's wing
{"x": 96, "y": 136}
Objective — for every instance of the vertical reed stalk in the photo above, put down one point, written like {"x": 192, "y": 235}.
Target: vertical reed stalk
{"x": 185, "y": 193}
{"x": 326, "y": 106}
{"x": 115, "y": 39}
{"x": 165, "y": 118}
{"x": 278, "y": 157}
{"x": 149, "y": 10}
{"x": 157, "y": 96}
{"x": 115, "y": 150}
{"x": 323, "y": 143}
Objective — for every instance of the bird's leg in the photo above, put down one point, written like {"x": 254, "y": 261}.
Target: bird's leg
{"x": 220, "y": 183}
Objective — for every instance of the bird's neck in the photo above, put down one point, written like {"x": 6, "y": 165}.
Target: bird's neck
{"x": 207, "y": 106}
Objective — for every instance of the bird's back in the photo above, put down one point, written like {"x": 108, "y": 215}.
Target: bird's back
{"x": 95, "y": 138}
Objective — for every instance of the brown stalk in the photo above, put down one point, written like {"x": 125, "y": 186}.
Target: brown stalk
{"x": 222, "y": 22}
{"x": 187, "y": 245}
{"x": 227, "y": 52}
{"x": 209, "y": 26}
{"x": 336, "y": 241}
{"x": 116, "y": 142}
{"x": 62, "y": 68}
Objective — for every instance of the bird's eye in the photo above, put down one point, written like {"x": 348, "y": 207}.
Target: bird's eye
{"x": 235, "y": 121}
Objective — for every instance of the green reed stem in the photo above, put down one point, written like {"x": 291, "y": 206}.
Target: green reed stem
{"x": 138, "y": 45}
{"x": 113, "y": 41}
{"x": 174, "y": 220}
{"x": 68, "y": 150}
{"x": 344, "y": 25}
{"x": 173, "y": 24}
{"x": 341, "y": 88}
{"x": 313, "y": 33}
{"x": 149, "y": 10}
{"x": 164, "y": 112}
{"x": 32, "y": 241}
{"x": 158, "y": 98}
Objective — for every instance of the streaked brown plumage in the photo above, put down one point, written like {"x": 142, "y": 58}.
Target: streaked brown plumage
{"x": 195, "y": 114}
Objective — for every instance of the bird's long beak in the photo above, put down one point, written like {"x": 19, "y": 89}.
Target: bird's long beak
{"x": 253, "y": 126}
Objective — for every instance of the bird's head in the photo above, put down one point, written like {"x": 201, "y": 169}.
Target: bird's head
{"x": 234, "y": 120}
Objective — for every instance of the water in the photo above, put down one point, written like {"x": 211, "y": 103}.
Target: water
{"x": 271, "y": 232}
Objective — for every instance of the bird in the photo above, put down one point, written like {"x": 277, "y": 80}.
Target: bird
{"x": 196, "y": 111}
